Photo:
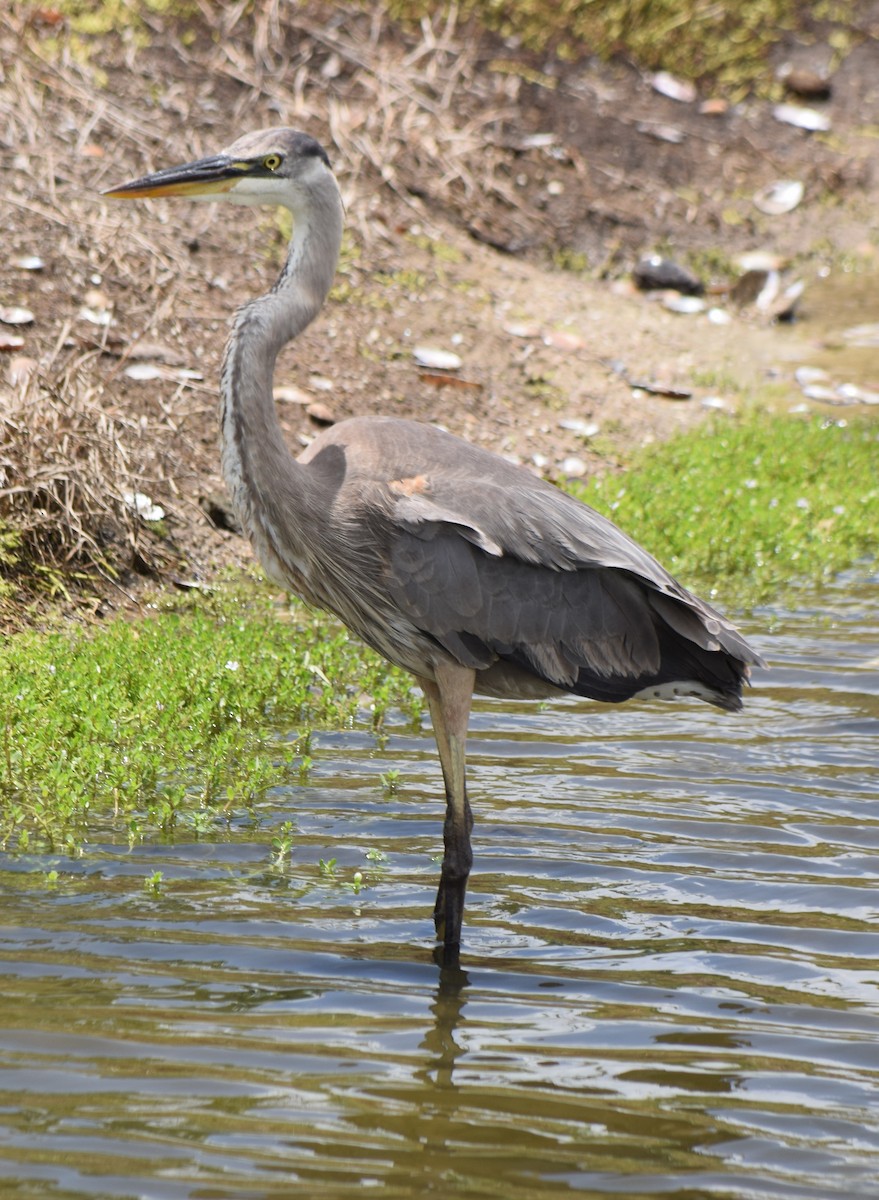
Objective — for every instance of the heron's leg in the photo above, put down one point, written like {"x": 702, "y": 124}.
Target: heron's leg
{"x": 449, "y": 698}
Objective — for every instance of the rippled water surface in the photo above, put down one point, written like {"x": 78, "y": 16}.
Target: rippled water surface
{"x": 670, "y": 982}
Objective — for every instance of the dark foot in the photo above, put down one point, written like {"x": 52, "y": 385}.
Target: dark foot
{"x": 448, "y": 914}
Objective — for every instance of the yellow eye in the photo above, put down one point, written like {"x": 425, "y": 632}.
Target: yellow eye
{"x": 271, "y": 162}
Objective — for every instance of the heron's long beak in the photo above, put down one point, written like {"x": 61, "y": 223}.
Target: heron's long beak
{"x": 205, "y": 177}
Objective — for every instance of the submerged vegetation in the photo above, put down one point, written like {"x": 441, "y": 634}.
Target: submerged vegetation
{"x": 169, "y": 722}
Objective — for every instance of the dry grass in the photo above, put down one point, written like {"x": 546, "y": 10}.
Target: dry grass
{"x": 78, "y": 113}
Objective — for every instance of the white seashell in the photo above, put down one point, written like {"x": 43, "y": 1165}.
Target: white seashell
{"x": 802, "y": 117}
{"x": 818, "y": 391}
{"x": 538, "y": 141}
{"x": 290, "y": 394}
{"x": 683, "y": 304}
{"x": 15, "y": 315}
{"x": 783, "y": 196}
{"x": 96, "y": 316}
{"x": 437, "y": 360}
{"x": 143, "y": 506}
{"x": 718, "y": 316}
{"x": 522, "y": 329}
{"x": 759, "y": 260}
{"x": 856, "y": 395}
{"x": 143, "y": 372}
{"x": 573, "y": 467}
{"x": 29, "y": 262}
{"x": 862, "y": 335}
{"x": 320, "y": 383}
{"x": 676, "y": 89}
{"x": 586, "y": 429}
{"x": 768, "y": 294}
{"x": 806, "y": 376}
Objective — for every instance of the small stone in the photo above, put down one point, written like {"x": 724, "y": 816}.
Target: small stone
{"x": 96, "y": 299}
{"x": 20, "y": 369}
{"x": 800, "y": 81}
{"x": 754, "y": 287}
{"x": 654, "y": 272}
{"x": 145, "y": 351}
{"x": 714, "y": 107}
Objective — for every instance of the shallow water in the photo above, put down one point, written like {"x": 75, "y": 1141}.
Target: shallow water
{"x": 670, "y": 979}
{"x": 840, "y": 320}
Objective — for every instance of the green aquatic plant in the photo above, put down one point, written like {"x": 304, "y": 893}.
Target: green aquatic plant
{"x": 153, "y": 883}
{"x": 746, "y": 507}
{"x": 144, "y": 726}
{"x": 282, "y": 845}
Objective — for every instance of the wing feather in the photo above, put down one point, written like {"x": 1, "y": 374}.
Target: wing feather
{"x": 512, "y": 575}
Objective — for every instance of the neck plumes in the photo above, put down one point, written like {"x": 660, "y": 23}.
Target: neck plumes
{"x": 256, "y": 460}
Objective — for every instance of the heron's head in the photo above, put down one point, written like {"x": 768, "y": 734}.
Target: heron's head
{"x": 271, "y": 166}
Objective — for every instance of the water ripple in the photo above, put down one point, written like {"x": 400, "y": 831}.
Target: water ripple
{"x": 671, "y": 983}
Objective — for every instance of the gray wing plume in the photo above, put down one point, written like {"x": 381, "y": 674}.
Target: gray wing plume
{"x": 518, "y": 580}
{"x": 512, "y": 569}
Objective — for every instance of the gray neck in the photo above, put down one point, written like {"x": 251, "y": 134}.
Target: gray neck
{"x": 255, "y": 457}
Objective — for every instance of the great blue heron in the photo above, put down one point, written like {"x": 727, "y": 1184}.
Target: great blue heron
{"x": 469, "y": 572}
